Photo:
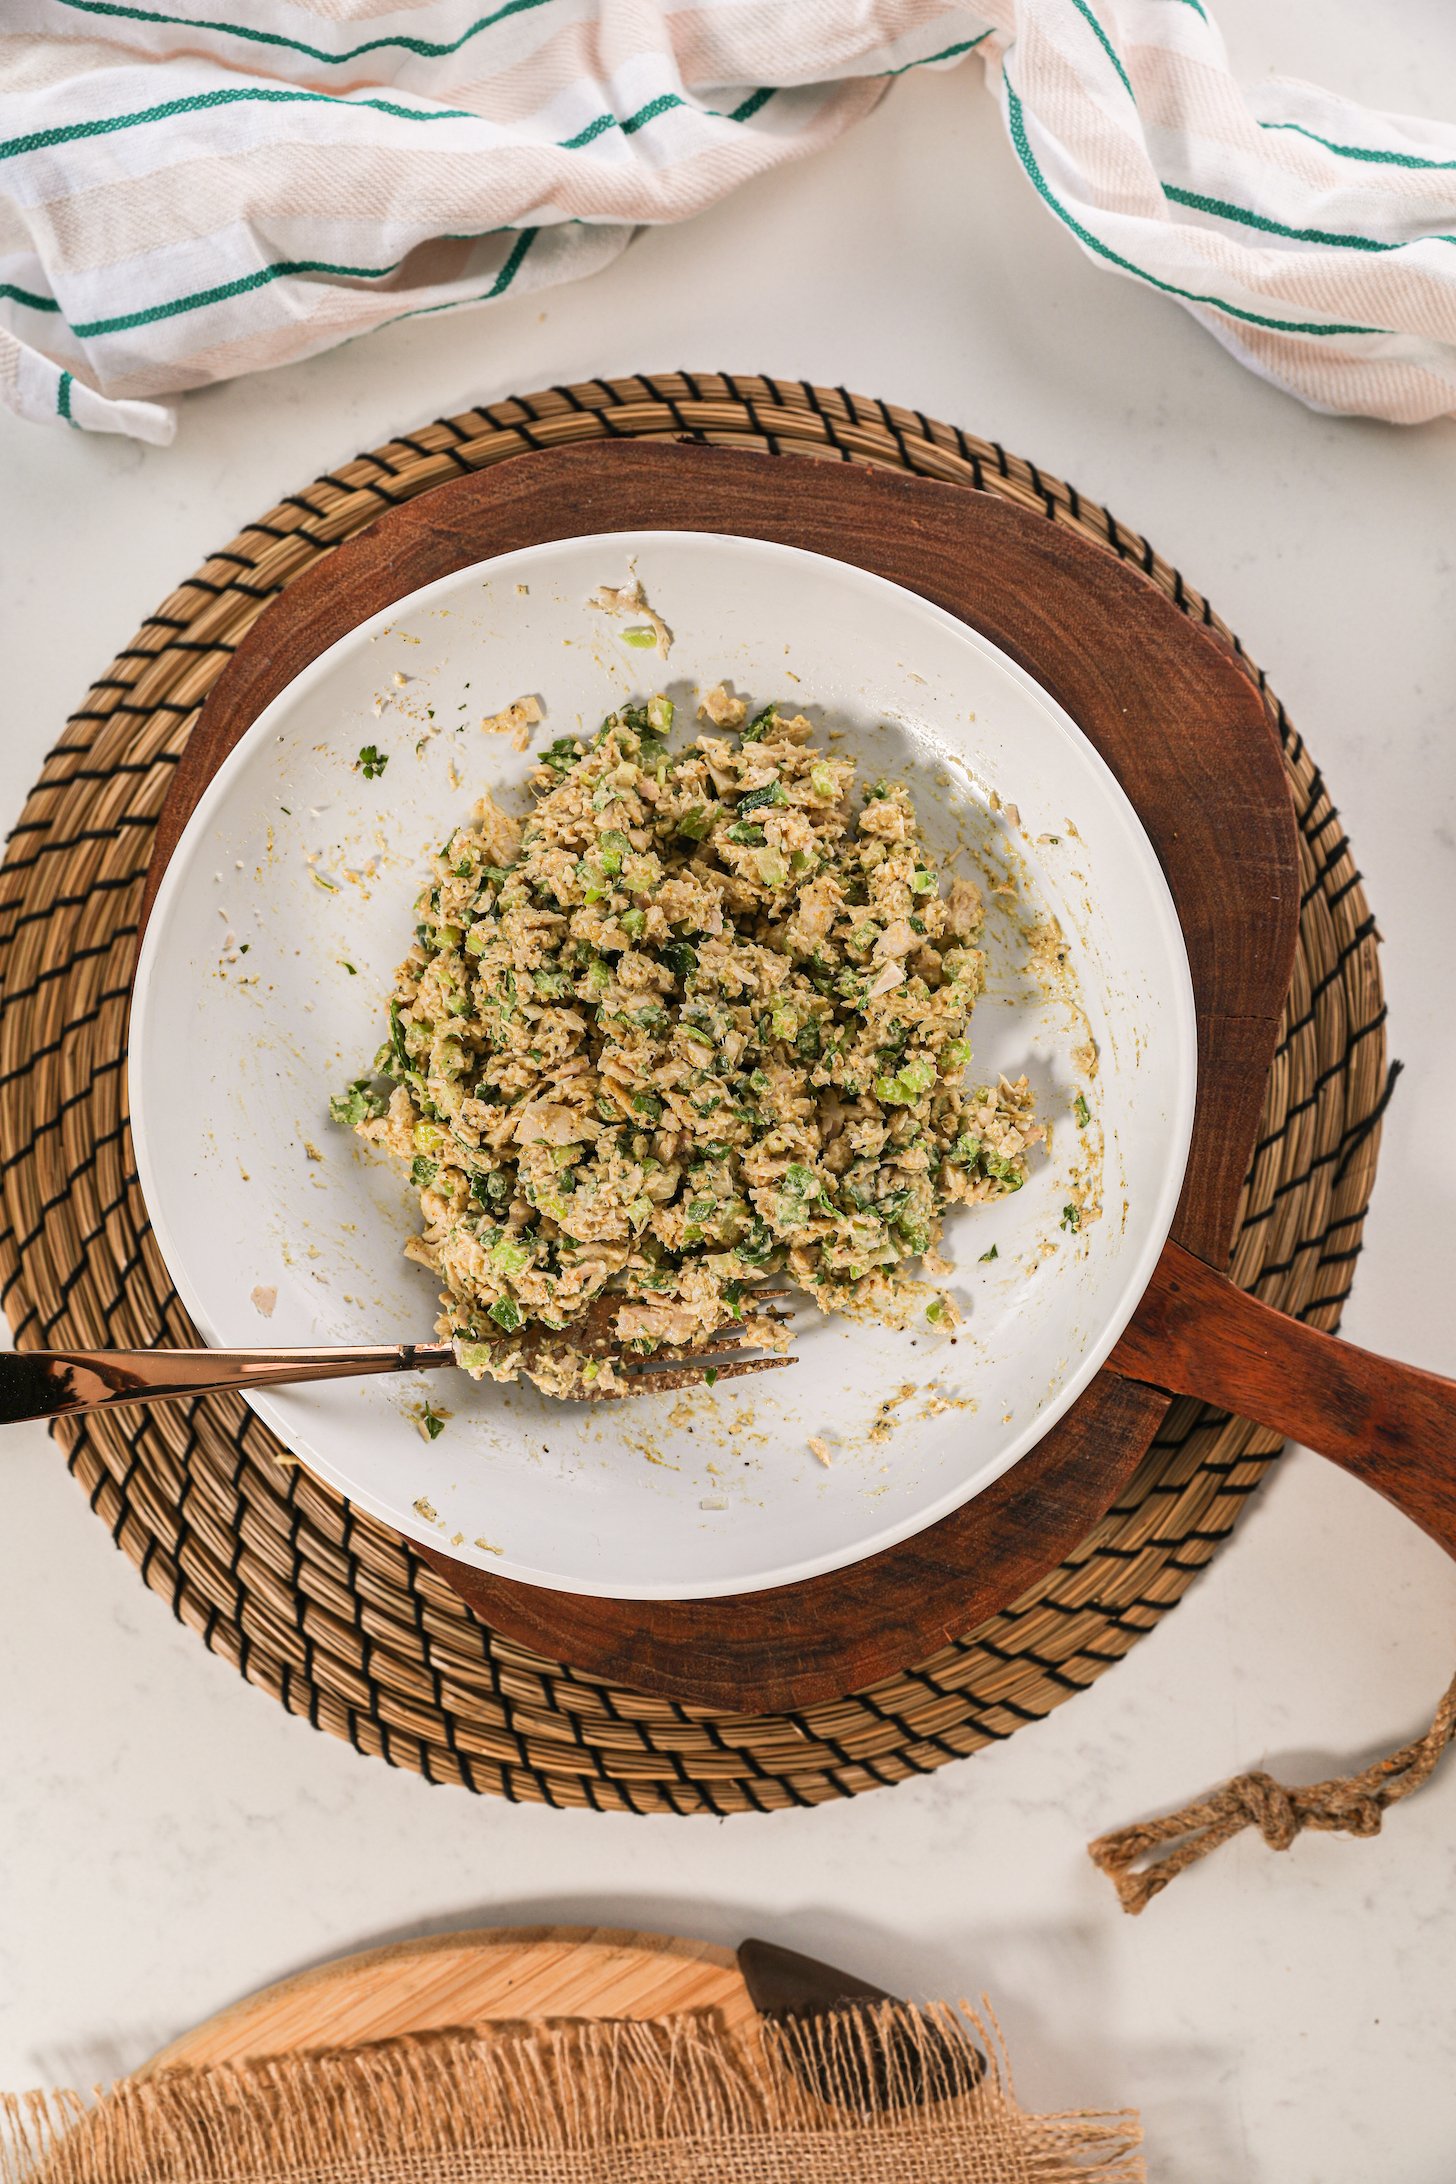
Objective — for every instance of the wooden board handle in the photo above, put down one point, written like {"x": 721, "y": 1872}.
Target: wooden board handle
{"x": 1392, "y": 1425}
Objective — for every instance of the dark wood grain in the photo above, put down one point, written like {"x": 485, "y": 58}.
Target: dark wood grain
{"x": 1185, "y": 732}
{"x": 1392, "y": 1425}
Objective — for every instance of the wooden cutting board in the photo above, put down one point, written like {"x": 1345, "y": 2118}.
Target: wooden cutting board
{"x": 1186, "y": 733}
{"x": 453, "y": 1982}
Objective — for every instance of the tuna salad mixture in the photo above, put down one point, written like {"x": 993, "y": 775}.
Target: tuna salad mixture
{"x": 699, "y": 1020}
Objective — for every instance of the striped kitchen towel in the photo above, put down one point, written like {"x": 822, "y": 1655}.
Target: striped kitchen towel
{"x": 195, "y": 190}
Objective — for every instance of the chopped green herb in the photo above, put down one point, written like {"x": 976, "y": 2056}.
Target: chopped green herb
{"x": 1081, "y": 1110}
{"x": 423, "y": 1172}
{"x": 1071, "y": 1218}
{"x": 361, "y": 1103}
{"x": 432, "y": 1422}
{"x": 371, "y": 761}
{"x": 993, "y": 1253}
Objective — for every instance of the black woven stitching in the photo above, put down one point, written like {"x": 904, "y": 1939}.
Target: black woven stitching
{"x": 707, "y": 1726}
{"x": 819, "y": 1736}
{"x": 1323, "y": 870}
{"x": 1048, "y": 500}
{"x": 1320, "y": 809}
{"x": 907, "y": 461}
{"x": 1343, "y": 890}
{"x": 54, "y": 1046}
{"x": 1314, "y": 823}
{"x": 1104, "y": 1610}
{"x": 1323, "y": 1077}
{"x": 524, "y": 429}
{"x": 830, "y": 431}
{"x": 1051, "y": 1669}
{"x": 123, "y": 1488}
{"x": 1363, "y": 932}
{"x": 523, "y": 1760}
{"x": 1334, "y": 1304}
{"x": 437, "y": 1682}
{"x": 83, "y": 834}
{"x": 76, "y": 902}
{"x": 573, "y": 400}
{"x": 602, "y": 415}
{"x": 238, "y": 561}
{"x": 972, "y": 456}
{"x": 57, "y": 1199}
{"x": 326, "y": 515}
{"x": 428, "y": 454}
{"x": 133, "y": 1263}
{"x": 1336, "y": 1153}
{"x": 1108, "y": 1549}
{"x": 1356, "y": 1136}
{"x": 356, "y": 1602}
{"x": 62, "y": 970}
{"x": 78, "y": 1098}
{"x": 971, "y": 1698}
{"x": 79, "y": 1265}
{"x": 296, "y": 1521}
{"x": 183, "y": 1522}
{"x": 851, "y": 405}
{"x": 366, "y": 485}
{"x": 298, "y": 534}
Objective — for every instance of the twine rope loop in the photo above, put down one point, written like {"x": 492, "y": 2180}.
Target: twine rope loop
{"x": 1346, "y": 1804}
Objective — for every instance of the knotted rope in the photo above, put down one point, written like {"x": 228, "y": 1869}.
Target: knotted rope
{"x": 1347, "y": 1804}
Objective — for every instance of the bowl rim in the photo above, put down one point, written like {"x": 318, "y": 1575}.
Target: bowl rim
{"x": 1133, "y": 1277}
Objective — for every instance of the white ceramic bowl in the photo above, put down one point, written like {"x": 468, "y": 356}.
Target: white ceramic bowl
{"x": 246, "y": 1018}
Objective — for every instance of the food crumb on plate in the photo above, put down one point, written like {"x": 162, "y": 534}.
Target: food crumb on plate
{"x": 516, "y": 721}
{"x": 630, "y": 598}
{"x": 819, "y": 1449}
{"x": 263, "y": 1295}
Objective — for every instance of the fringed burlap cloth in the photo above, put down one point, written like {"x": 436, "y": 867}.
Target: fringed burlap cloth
{"x": 885, "y": 2095}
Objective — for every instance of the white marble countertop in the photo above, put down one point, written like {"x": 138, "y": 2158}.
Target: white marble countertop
{"x": 170, "y": 1839}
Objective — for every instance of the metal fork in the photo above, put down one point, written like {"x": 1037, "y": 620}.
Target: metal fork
{"x": 54, "y": 1383}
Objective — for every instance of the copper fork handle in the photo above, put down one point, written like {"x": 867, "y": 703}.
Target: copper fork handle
{"x": 53, "y": 1383}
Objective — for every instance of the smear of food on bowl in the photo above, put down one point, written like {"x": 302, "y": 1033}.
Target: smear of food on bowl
{"x": 701, "y": 1018}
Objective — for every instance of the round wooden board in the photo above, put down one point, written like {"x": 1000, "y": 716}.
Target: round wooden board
{"x": 452, "y": 1982}
{"x": 1184, "y": 729}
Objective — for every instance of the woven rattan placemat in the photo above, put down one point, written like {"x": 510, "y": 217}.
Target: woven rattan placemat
{"x": 323, "y": 1608}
